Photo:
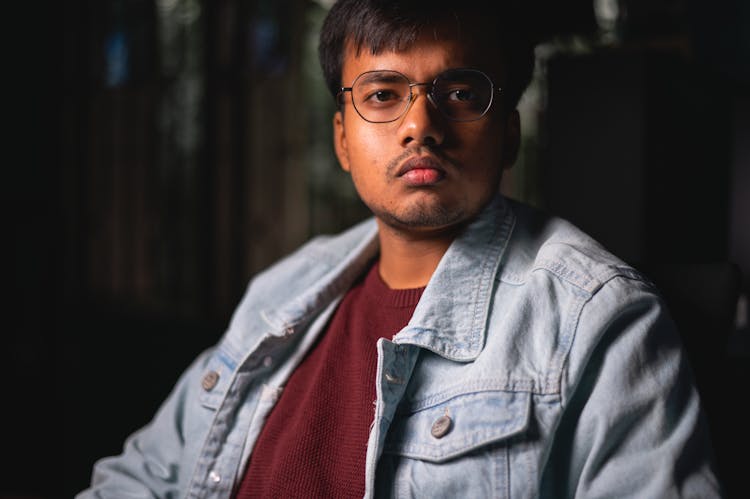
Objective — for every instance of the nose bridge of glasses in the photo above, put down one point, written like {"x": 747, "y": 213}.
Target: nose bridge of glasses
{"x": 428, "y": 86}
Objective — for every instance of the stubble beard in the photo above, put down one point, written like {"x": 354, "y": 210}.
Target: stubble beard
{"x": 421, "y": 215}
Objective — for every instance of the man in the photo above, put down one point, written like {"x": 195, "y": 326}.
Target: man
{"x": 459, "y": 344}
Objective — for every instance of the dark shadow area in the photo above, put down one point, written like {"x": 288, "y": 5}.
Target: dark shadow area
{"x": 115, "y": 376}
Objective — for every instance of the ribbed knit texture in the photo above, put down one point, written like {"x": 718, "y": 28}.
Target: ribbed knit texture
{"x": 314, "y": 442}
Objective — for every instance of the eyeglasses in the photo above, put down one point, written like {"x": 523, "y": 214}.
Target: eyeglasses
{"x": 459, "y": 94}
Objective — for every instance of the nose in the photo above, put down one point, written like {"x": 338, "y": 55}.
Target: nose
{"x": 422, "y": 123}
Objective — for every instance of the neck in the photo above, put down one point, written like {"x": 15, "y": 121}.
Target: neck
{"x": 408, "y": 260}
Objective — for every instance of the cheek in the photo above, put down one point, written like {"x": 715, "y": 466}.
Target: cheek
{"x": 483, "y": 150}
{"x": 368, "y": 152}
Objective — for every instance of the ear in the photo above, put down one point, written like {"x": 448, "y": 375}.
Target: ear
{"x": 512, "y": 139}
{"x": 339, "y": 141}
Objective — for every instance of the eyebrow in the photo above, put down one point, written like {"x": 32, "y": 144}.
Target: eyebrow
{"x": 380, "y": 75}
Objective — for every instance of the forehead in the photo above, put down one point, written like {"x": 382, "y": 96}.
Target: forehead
{"x": 434, "y": 50}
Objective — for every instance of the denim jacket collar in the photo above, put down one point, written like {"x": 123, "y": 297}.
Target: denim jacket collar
{"x": 449, "y": 323}
{"x": 451, "y": 317}
{"x": 345, "y": 260}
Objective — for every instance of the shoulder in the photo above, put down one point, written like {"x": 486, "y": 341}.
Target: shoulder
{"x": 553, "y": 246}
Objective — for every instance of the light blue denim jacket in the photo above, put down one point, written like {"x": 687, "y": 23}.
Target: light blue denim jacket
{"x": 558, "y": 368}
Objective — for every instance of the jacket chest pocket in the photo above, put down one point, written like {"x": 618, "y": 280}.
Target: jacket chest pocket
{"x": 458, "y": 447}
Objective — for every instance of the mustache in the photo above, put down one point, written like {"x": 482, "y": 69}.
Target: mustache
{"x": 394, "y": 164}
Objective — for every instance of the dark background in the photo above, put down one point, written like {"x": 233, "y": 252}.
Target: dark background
{"x": 143, "y": 186}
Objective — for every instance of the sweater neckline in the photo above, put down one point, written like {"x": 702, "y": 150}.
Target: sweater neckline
{"x": 376, "y": 287}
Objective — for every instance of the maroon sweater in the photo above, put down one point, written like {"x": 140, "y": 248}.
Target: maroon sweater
{"x": 315, "y": 439}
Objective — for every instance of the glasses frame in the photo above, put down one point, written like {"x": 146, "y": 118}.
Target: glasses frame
{"x": 430, "y": 96}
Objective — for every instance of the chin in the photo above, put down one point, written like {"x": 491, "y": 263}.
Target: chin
{"x": 422, "y": 218}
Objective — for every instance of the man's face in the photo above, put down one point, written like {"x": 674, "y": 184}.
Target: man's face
{"x": 423, "y": 173}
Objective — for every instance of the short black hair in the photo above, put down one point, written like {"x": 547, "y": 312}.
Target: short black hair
{"x": 381, "y": 25}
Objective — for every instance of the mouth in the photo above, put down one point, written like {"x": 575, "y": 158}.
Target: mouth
{"x": 421, "y": 171}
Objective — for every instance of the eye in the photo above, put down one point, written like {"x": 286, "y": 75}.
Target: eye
{"x": 382, "y": 95}
{"x": 466, "y": 94}
{"x": 459, "y": 95}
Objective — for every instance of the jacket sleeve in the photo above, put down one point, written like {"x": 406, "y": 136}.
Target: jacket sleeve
{"x": 153, "y": 463}
{"x": 632, "y": 423}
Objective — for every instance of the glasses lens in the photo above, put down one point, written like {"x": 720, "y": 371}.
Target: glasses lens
{"x": 462, "y": 94}
{"x": 380, "y": 96}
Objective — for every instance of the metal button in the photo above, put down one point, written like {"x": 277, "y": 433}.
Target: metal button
{"x": 268, "y": 361}
{"x": 214, "y": 477}
{"x": 209, "y": 380}
{"x": 441, "y": 426}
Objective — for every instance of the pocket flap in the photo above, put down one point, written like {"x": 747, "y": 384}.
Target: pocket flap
{"x": 476, "y": 419}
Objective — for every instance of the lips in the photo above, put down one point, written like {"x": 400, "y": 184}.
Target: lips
{"x": 421, "y": 171}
